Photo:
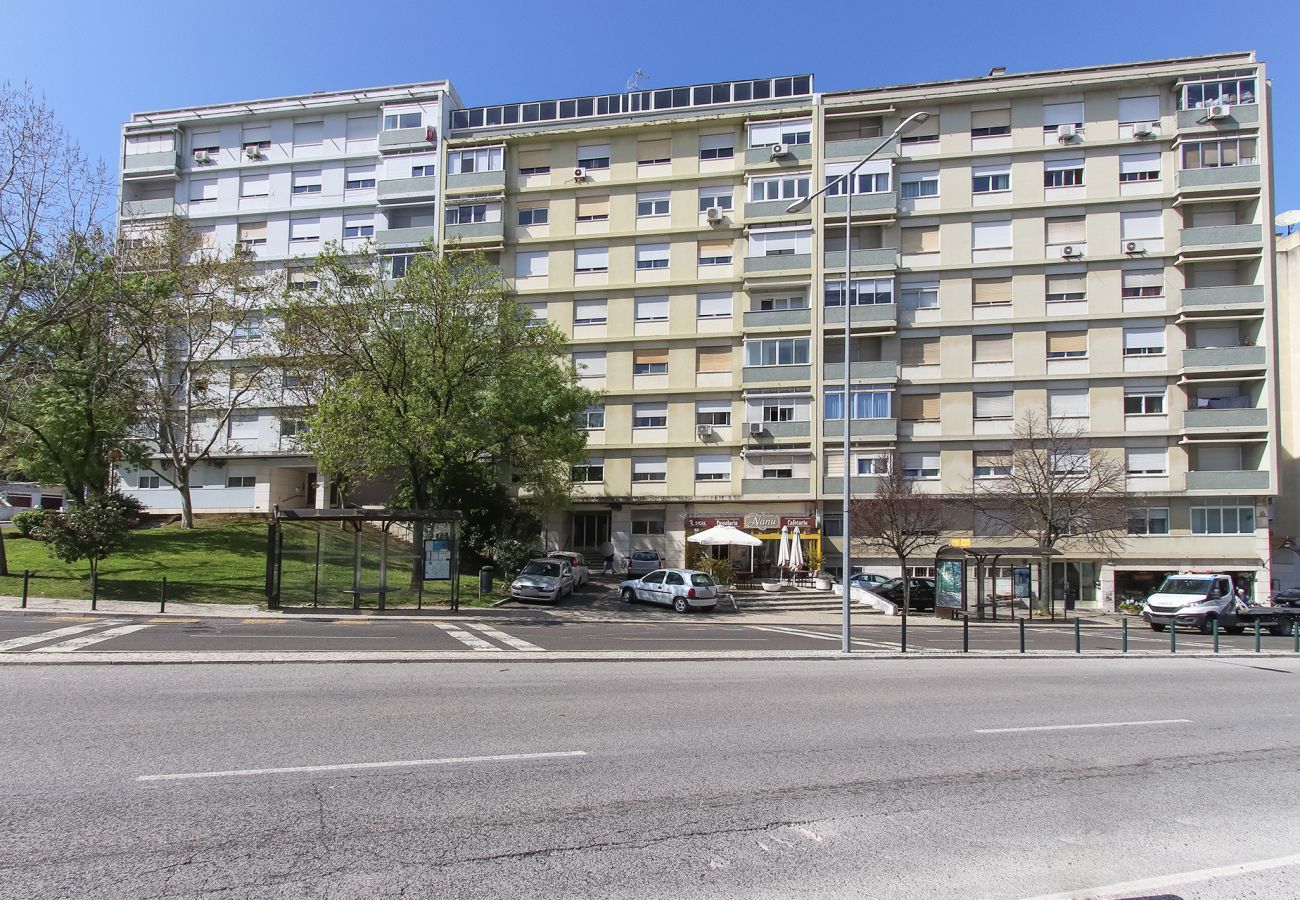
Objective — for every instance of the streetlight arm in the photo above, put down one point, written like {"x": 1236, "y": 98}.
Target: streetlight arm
{"x": 914, "y": 118}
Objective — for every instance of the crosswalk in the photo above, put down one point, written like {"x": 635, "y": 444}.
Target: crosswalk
{"x": 57, "y": 634}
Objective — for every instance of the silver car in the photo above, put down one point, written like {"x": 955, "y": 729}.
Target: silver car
{"x": 682, "y": 589}
{"x": 643, "y": 562}
{"x": 543, "y": 579}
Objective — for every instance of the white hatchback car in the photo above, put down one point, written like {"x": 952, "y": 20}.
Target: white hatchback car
{"x": 543, "y": 579}
{"x": 577, "y": 563}
{"x": 682, "y": 589}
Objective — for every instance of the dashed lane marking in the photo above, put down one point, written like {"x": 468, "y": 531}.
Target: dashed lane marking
{"x": 471, "y": 641}
{"x": 877, "y": 645}
{"x": 509, "y": 640}
{"x": 86, "y": 640}
{"x": 1160, "y": 883}
{"x": 343, "y": 767}
{"x": 1082, "y": 726}
{"x": 29, "y": 639}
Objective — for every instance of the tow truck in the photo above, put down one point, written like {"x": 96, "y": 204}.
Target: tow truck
{"x": 1199, "y": 599}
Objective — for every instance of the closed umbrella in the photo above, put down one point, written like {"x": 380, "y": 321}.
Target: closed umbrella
{"x": 796, "y": 551}
{"x": 783, "y": 551}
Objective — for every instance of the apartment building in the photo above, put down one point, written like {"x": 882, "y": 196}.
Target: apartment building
{"x": 1286, "y": 513}
{"x": 1089, "y": 243}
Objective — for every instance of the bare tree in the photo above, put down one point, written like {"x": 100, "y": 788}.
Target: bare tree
{"x": 898, "y": 519}
{"x": 197, "y": 318}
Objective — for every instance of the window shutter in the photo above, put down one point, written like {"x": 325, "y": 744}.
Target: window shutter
{"x": 921, "y": 240}
{"x": 593, "y": 206}
{"x": 990, "y": 235}
{"x": 713, "y": 359}
{"x": 590, "y": 363}
{"x": 1144, "y": 337}
{"x": 1067, "y": 284}
{"x": 1144, "y": 278}
{"x": 1067, "y": 404}
{"x": 590, "y": 310}
{"x": 717, "y": 141}
{"x": 591, "y": 258}
{"x": 534, "y": 159}
{"x": 1067, "y": 230}
{"x": 1139, "y": 109}
{"x": 1147, "y": 460}
{"x": 1132, "y": 163}
{"x": 989, "y": 459}
{"x": 652, "y": 309}
{"x": 920, "y": 407}
{"x": 919, "y": 351}
{"x": 359, "y": 128}
{"x": 992, "y": 348}
{"x": 650, "y": 357}
{"x": 252, "y": 231}
{"x": 713, "y": 305}
{"x": 713, "y": 249}
{"x": 658, "y": 148}
{"x": 990, "y": 291}
{"x": 997, "y": 405}
{"x": 1140, "y": 224}
{"x": 1062, "y": 114}
{"x": 990, "y": 118}
{"x": 1067, "y": 342}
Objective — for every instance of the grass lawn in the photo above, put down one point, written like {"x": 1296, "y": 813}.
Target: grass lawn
{"x": 220, "y": 561}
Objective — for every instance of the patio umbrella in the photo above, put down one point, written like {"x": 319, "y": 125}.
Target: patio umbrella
{"x": 783, "y": 552}
{"x": 725, "y": 536}
{"x": 796, "y": 550}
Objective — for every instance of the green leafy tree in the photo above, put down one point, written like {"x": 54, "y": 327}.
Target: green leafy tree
{"x": 91, "y": 530}
{"x": 435, "y": 381}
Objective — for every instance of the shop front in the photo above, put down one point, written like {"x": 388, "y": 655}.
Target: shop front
{"x": 761, "y": 562}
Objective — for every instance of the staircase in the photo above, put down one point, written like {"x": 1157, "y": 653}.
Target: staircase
{"x": 796, "y": 601}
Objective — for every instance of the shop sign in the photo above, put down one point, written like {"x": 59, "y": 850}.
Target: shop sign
{"x": 805, "y": 524}
{"x": 700, "y": 523}
{"x": 762, "y": 522}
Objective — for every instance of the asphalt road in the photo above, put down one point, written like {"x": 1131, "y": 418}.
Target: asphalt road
{"x": 884, "y": 778}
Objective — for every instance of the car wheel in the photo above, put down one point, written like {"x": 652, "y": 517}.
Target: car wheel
{"x": 1156, "y": 627}
{"x": 1236, "y": 629}
{"x": 680, "y": 605}
{"x": 628, "y": 595}
{"x": 1207, "y": 625}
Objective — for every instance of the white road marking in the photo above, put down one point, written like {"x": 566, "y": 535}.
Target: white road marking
{"x": 344, "y": 767}
{"x": 824, "y": 637}
{"x": 15, "y": 643}
{"x": 516, "y": 643}
{"x": 1084, "y": 725}
{"x": 471, "y": 641}
{"x": 1159, "y": 882}
{"x": 86, "y": 640}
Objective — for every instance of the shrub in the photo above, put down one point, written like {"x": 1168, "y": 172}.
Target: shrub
{"x": 719, "y": 569}
{"x": 27, "y": 523}
{"x": 509, "y": 557}
{"x": 91, "y": 530}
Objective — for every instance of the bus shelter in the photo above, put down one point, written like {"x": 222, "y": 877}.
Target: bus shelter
{"x": 953, "y": 561}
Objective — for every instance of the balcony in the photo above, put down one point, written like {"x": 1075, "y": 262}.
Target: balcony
{"x": 1242, "y": 116}
{"x": 884, "y": 203}
{"x": 877, "y": 258}
{"x": 165, "y": 164}
{"x": 761, "y": 374}
{"x": 408, "y": 139}
{"x": 876, "y": 428}
{"x": 779, "y": 263}
{"x": 774, "y": 318}
{"x": 1227, "y": 296}
{"x": 1225, "y": 358}
{"x": 880, "y": 315}
{"x": 768, "y": 209}
{"x": 798, "y": 153}
{"x": 860, "y": 147}
{"x": 406, "y": 190}
{"x": 477, "y": 181}
{"x": 1226, "y": 419}
{"x": 784, "y": 429}
{"x": 878, "y": 370}
{"x": 406, "y": 237}
{"x": 148, "y": 209}
{"x": 1221, "y": 482}
{"x": 1213, "y": 237}
{"x": 859, "y": 485}
{"x": 775, "y": 485}
{"x": 1215, "y": 179}
{"x": 477, "y": 232}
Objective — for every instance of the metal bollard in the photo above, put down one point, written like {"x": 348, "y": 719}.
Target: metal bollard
{"x": 94, "y": 590}
{"x": 902, "y": 638}
{"x": 1123, "y": 630}
{"x": 1022, "y": 635}
{"x": 1078, "y": 638}
{"x": 26, "y": 575}
{"x": 1173, "y": 638}
{"x": 1295, "y": 631}
{"x": 965, "y": 633}
{"x": 1214, "y": 624}
{"x": 1257, "y": 635}
{"x": 162, "y": 596}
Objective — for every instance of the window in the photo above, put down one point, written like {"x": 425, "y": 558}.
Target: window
{"x": 242, "y": 425}
{"x": 149, "y": 482}
{"x": 926, "y": 132}
{"x": 149, "y": 143}
{"x": 1067, "y": 403}
{"x": 652, "y": 256}
{"x": 993, "y": 348}
{"x": 590, "y": 472}
{"x": 1149, "y": 520}
{"x": 1067, "y": 344}
{"x": 1146, "y": 461}
{"x": 862, "y": 292}
{"x": 774, "y": 304}
{"x": 1223, "y": 517}
{"x": 712, "y": 360}
{"x": 990, "y": 123}
{"x": 921, "y": 465}
{"x": 1139, "y": 109}
{"x": 915, "y": 185}
{"x": 1068, "y": 463}
{"x": 780, "y": 242}
{"x": 650, "y": 415}
{"x": 1142, "y": 166}
{"x": 764, "y": 134}
{"x": 922, "y": 351}
{"x": 241, "y": 481}
{"x": 592, "y": 418}
{"x": 304, "y": 230}
{"x": 1144, "y": 340}
{"x": 652, "y": 468}
{"x": 1057, "y": 114}
{"x": 255, "y": 186}
{"x": 203, "y": 190}
{"x": 867, "y": 402}
{"x": 595, "y": 156}
{"x": 207, "y": 143}
{"x": 1220, "y": 153}
{"x": 304, "y": 281}
{"x": 776, "y": 409}
{"x": 424, "y": 170}
{"x": 991, "y": 179}
{"x": 478, "y": 159}
{"x": 1063, "y": 172}
{"x": 534, "y": 215}
{"x": 308, "y": 137}
{"x": 531, "y": 263}
{"x": 780, "y": 187}
{"x": 592, "y": 209}
{"x": 1140, "y": 225}
{"x": 652, "y": 203}
{"x": 396, "y": 265}
{"x": 359, "y": 178}
{"x": 777, "y": 352}
{"x": 650, "y": 362}
{"x": 713, "y": 305}
{"x": 919, "y": 407}
{"x": 1200, "y": 94}
{"x": 924, "y": 239}
{"x": 1066, "y": 231}
{"x": 872, "y": 178}
{"x": 534, "y": 162}
{"x": 590, "y": 364}
{"x": 1140, "y": 401}
{"x": 358, "y": 226}
{"x": 871, "y": 465}
{"x": 717, "y": 195}
{"x": 467, "y": 214}
{"x": 643, "y": 525}
{"x": 991, "y": 292}
{"x": 853, "y": 128}
{"x": 590, "y": 312}
{"x": 590, "y": 259}
{"x": 654, "y": 151}
{"x": 991, "y": 235}
{"x": 713, "y": 467}
{"x": 360, "y": 133}
{"x": 1066, "y": 288}
{"x": 292, "y": 427}
{"x": 396, "y": 120}
{"x": 777, "y": 467}
{"x": 920, "y": 295}
{"x": 992, "y": 464}
{"x": 533, "y": 314}
{"x": 713, "y": 412}
{"x": 715, "y": 252}
{"x": 252, "y": 234}
{"x": 651, "y": 309}
{"x": 717, "y": 146}
{"x": 307, "y": 181}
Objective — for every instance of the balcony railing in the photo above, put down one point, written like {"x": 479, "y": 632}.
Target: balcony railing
{"x": 860, "y": 428}
{"x": 878, "y": 370}
{"x": 856, "y": 148}
{"x": 148, "y": 209}
{"x": 877, "y": 258}
{"x": 1225, "y": 358}
{"x": 876, "y": 314}
{"x": 1247, "y": 114}
{"x": 771, "y": 318}
{"x": 479, "y": 181}
{"x": 760, "y": 374}
{"x": 1225, "y": 176}
{"x": 783, "y": 429}
{"x": 778, "y": 263}
{"x": 408, "y": 138}
{"x": 775, "y": 485}
{"x": 165, "y": 164}
{"x": 397, "y": 190}
{"x": 1229, "y": 295}
{"x": 796, "y": 153}
{"x": 405, "y": 237}
{"x": 881, "y": 203}
{"x": 1226, "y": 419}
{"x": 1216, "y": 482}
{"x": 1211, "y": 236}
{"x": 475, "y": 232}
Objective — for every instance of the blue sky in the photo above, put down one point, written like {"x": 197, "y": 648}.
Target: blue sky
{"x": 98, "y": 62}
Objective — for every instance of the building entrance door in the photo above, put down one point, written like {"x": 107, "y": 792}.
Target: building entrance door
{"x": 590, "y": 532}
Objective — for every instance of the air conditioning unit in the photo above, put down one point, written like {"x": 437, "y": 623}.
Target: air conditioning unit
{"x": 1070, "y": 252}
{"x": 1133, "y": 247}
{"x": 704, "y": 431}
{"x": 755, "y": 429}
{"x": 202, "y": 157}
{"x": 1146, "y": 129}
{"x": 252, "y": 151}
{"x": 1218, "y": 111}
{"x": 713, "y": 214}
{"x": 780, "y": 150}
{"x": 1067, "y": 132}
{"x": 579, "y": 174}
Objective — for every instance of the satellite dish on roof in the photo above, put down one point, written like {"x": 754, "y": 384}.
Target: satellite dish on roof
{"x": 1288, "y": 219}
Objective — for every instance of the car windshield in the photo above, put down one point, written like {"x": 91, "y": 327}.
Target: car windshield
{"x": 643, "y": 554}
{"x": 545, "y": 569}
{"x": 699, "y": 579}
{"x": 893, "y": 584}
{"x": 1196, "y": 586}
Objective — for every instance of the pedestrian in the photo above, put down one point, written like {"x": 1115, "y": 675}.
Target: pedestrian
{"x": 1240, "y": 597}
{"x": 607, "y": 551}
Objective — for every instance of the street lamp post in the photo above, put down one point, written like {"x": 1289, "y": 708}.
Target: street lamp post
{"x": 850, "y": 181}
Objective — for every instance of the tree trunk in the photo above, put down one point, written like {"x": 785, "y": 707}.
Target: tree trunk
{"x": 907, "y": 587}
{"x": 4, "y": 554}
{"x": 187, "y": 505}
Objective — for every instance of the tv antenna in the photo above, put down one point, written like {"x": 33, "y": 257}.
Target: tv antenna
{"x": 634, "y": 81}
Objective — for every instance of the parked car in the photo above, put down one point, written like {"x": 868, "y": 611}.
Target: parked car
{"x": 577, "y": 563}
{"x": 1197, "y": 600}
{"x": 643, "y": 562}
{"x": 682, "y": 589}
{"x": 920, "y": 597}
{"x": 867, "y": 580}
{"x": 543, "y": 579}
